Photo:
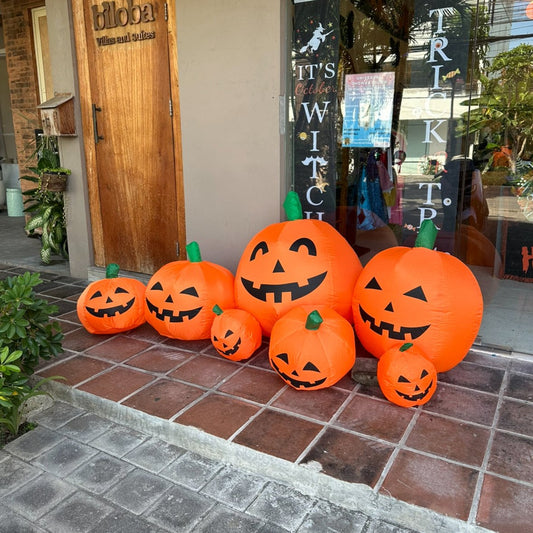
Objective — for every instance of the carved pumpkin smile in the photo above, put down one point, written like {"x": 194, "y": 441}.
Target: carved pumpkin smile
{"x": 229, "y": 351}
{"x": 293, "y": 289}
{"x": 109, "y": 311}
{"x": 296, "y": 383}
{"x": 401, "y": 334}
{"x": 162, "y": 314}
{"x": 416, "y": 397}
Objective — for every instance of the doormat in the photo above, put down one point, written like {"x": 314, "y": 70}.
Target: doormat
{"x": 517, "y": 247}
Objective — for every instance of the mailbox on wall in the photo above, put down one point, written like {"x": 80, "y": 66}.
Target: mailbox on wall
{"x": 57, "y": 115}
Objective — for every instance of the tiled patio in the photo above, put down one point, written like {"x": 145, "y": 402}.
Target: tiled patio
{"x": 467, "y": 454}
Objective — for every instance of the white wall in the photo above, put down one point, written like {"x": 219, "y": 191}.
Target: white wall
{"x": 229, "y": 58}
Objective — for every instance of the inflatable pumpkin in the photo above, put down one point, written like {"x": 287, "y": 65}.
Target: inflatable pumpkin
{"x": 418, "y": 295}
{"x": 235, "y": 333}
{"x": 113, "y": 304}
{"x": 406, "y": 377}
{"x": 297, "y": 262}
{"x": 180, "y": 296}
{"x": 312, "y": 347}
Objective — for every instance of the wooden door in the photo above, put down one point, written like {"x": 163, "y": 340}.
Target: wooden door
{"x": 127, "y": 62}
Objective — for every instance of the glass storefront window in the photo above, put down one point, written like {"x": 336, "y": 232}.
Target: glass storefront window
{"x": 408, "y": 110}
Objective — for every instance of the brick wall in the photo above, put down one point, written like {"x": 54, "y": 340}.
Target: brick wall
{"x": 18, "y": 38}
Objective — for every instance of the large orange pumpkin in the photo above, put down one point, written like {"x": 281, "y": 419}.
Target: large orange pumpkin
{"x": 235, "y": 333}
{"x": 418, "y": 295}
{"x": 180, "y": 296}
{"x": 406, "y": 377}
{"x": 111, "y": 305}
{"x": 297, "y": 262}
{"x": 312, "y": 347}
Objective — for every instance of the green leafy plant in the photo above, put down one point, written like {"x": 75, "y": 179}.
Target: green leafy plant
{"x": 15, "y": 389}
{"x": 45, "y": 206}
{"x": 25, "y": 321}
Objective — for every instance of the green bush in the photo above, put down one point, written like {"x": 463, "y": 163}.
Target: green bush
{"x": 25, "y": 322}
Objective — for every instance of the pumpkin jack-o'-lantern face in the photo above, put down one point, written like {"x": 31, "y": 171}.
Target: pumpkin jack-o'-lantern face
{"x": 169, "y": 307}
{"x": 397, "y": 309}
{"x": 112, "y": 305}
{"x": 406, "y": 377}
{"x": 312, "y": 348}
{"x": 298, "y": 262}
{"x": 418, "y": 295}
{"x": 307, "y": 377}
{"x": 227, "y": 345}
{"x": 181, "y": 294}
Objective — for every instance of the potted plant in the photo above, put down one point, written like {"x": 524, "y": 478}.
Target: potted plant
{"x": 45, "y": 203}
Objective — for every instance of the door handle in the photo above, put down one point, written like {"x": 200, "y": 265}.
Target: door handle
{"x": 97, "y": 137}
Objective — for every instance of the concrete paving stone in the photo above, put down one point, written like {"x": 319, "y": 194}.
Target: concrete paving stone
{"x": 380, "y": 526}
{"x": 11, "y": 522}
{"x": 326, "y": 516}
{"x": 64, "y": 457}
{"x": 191, "y": 470}
{"x": 86, "y": 427}
{"x": 154, "y": 454}
{"x": 79, "y": 514}
{"x": 121, "y": 521}
{"x": 57, "y": 415}
{"x": 281, "y": 505}
{"x": 138, "y": 491}
{"x": 269, "y": 527}
{"x": 180, "y": 509}
{"x": 38, "y": 497}
{"x": 100, "y": 473}
{"x": 34, "y": 443}
{"x": 14, "y": 473}
{"x": 119, "y": 440}
{"x": 234, "y": 487}
{"x": 222, "y": 519}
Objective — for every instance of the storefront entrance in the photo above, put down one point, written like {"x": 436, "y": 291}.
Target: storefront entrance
{"x": 129, "y": 96}
{"x": 405, "y": 111}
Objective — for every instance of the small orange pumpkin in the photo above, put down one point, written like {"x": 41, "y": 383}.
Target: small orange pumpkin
{"x": 235, "y": 333}
{"x": 312, "y": 347}
{"x": 111, "y": 305}
{"x": 406, "y": 377}
{"x": 418, "y": 295}
{"x": 297, "y": 262}
{"x": 180, "y": 296}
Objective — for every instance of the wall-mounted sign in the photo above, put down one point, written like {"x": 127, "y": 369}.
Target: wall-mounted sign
{"x": 109, "y": 15}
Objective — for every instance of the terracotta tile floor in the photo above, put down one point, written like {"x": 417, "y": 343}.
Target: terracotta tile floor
{"x": 468, "y": 453}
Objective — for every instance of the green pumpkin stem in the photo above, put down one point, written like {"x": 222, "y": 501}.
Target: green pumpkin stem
{"x": 406, "y": 346}
{"x": 293, "y": 206}
{"x": 217, "y": 310}
{"x": 313, "y": 320}
{"x": 193, "y": 252}
{"x": 111, "y": 271}
{"x": 427, "y": 235}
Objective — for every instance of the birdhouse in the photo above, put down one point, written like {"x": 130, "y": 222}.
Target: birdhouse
{"x": 57, "y": 115}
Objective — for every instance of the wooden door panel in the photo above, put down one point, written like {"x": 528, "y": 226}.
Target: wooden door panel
{"x": 136, "y": 182}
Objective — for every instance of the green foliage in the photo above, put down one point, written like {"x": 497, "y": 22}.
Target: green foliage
{"x": 25, "y": 322}
{"x": 503, "y": 113}
{"x": 15, "y": 389}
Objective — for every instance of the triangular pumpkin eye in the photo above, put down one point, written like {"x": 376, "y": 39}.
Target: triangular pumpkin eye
{"x": 284, "y": 357}
{"x": 373, "y": 284}
{"x": 191, "y": 291}
{"x": 157, "y": 286}
{"x": 417, "y": 293}
{"x": 228, "y": 333}
{"x": 424, "y": 373}
{"x": 403, "y": 379}
{"x": 97, "y": 294}
{"x": 310, "y": 366}
{"x": 120, "y": 290}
